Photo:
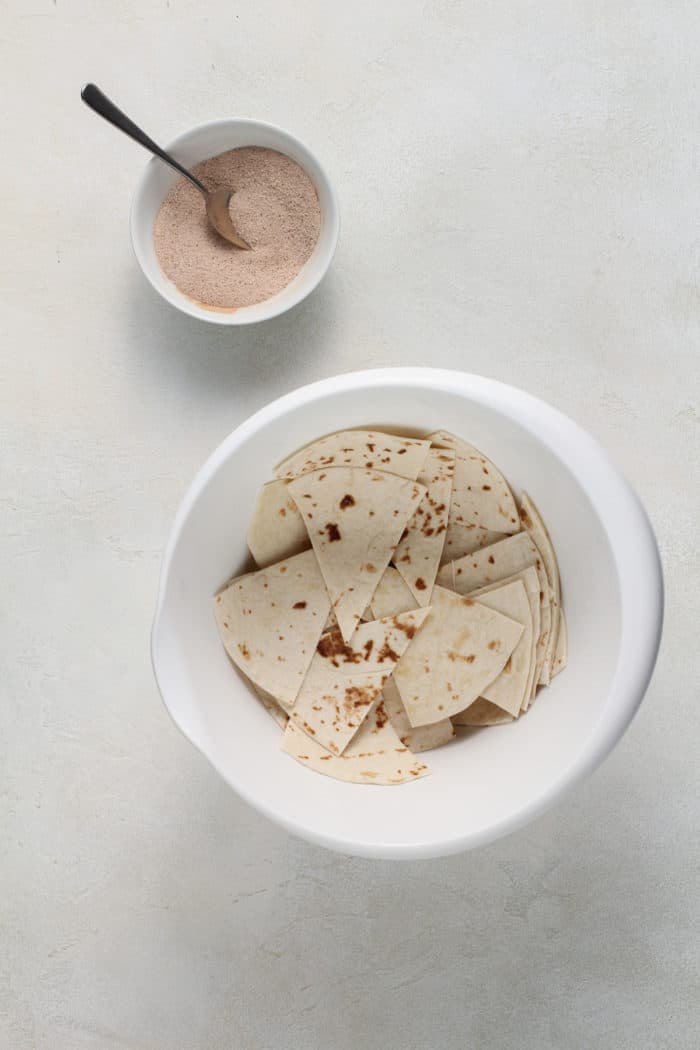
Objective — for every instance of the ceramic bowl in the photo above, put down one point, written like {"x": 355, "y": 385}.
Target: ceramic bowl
{"x": 208, "y": 140}
{"x": 491, "y": 780}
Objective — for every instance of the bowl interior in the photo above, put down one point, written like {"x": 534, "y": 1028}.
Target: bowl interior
{"x": 208, "y": 140}
{"x": 483, "y": 783}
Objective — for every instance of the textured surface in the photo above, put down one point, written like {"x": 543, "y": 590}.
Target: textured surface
{"x": 520, "y": 197}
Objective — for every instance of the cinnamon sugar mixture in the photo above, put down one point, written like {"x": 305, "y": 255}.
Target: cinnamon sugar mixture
{"x": 275, "y": 208}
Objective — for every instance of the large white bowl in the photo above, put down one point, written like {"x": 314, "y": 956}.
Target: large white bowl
{"x": 493, "y": 780}
{"x": 208, "y": 140}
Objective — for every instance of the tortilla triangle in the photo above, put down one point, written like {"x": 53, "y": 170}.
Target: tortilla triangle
{"x": 355, "y": 519}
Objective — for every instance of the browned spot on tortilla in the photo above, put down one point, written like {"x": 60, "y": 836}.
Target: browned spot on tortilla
{"x": 445, "y": 459}
{"x": 347, "y": 501}
{"x": 225, "y": 625}
{"x": 333, "y": 532}
{"x": 492, "y": 560}
{"x": 326, "y": 758}
{"x": 387, "y": 653}
{"x": 525, "y": 518}
{"x": 508, "y": 665}
{"x": 368, "y": 646}
{"x": 218, "y": 599}
{"x": 494, "y": 645}
{"x": 440, "y": 707}
{"x": 244, "y": 650}
{"x": 299, "y": 605}
{"x": 282, "y": 512}
{"x": 409, "y": 629}
{"x": 369, "y": 567}
{"x": 401, "y": 452}
{"x": 322, "y": 476}
{"x": 453, "y": 656}
{"x": 357, "y": 696}
{"x": 484, "y": 470}
{"x": 486, "y": 488}
{"x": 467, "y": 601}
{"x": 421, "y": 585}
{"x": 368, "y": 773}
{"x": 381, "y": 716}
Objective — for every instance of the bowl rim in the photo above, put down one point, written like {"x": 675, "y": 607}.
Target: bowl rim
{"x": 633, "y": 546}
{"x": 170, "y": 293}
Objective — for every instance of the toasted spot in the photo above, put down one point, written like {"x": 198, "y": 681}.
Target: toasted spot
{"x": 244, "y": 650}
{"x": 299, "y": 605}
{"x": 333, "y": 532}
{"x": 347, "y": 501}
{"x": 421, "y": 585}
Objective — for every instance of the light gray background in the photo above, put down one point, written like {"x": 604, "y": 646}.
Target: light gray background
{"x": 520, "y": 190}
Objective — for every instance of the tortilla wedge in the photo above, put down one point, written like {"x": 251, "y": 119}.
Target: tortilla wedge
{"x": 367, "y": 449}
{"x": 561, "y": 653}
{"x": 392, "y": 595}
{"x": 532, "y": 521}
{"x": 420, "y": 738}
{"x": 461, "y": 649}
{"x": 419, "y": 553}
{"x": 531, "y": 582}
{"x": 482, "y": 713}
{"x": 510, "y": 690}
{"x": 497, "y": 563}
{"x": 355, "y": 519}
{"x": 277, "y": 529}
{"x": 374, "y": 756}
{"x": 270, "y": 623}
{"x": 344, "y": 680}
{"x": 463, "y": 539}
{"x": 480, "y": 494}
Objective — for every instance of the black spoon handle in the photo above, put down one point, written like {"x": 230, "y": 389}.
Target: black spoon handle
{"x": 98, "y": 101}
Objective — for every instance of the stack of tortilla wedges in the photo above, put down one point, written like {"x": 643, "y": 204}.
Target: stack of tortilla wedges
{"x": 400, "y": 592}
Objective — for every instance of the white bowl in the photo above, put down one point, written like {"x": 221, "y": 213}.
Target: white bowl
{"x": 208, "y": 140}
{"x": 493, "y": 780}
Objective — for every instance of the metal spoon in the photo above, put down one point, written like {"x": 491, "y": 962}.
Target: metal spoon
{"x": 217, "y": 202}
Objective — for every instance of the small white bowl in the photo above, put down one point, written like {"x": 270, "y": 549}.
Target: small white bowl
{"x": 208, "y": 140}
{"x": 490, "y": 781}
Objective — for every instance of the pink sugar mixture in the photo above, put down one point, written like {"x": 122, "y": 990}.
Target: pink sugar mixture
{"x": 275, "y": 209}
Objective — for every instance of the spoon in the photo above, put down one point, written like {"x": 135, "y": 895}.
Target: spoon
{"x": 217, "y": 202}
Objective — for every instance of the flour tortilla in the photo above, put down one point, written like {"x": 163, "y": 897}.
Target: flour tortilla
{"x": 482, "y": 713}
{"x": 355, "y": 519}
{"x": 392, "y": 596}
{"x": 532, "y": 521}
{"x": 463, "y": 539}
{"x": 344, "y": 680}
{"x": 374, "y": 756}
{"x": 418, "y": 739}
{"x": 270, "y": 623}
{"x": 497, "y": 563}
{"x": 480, "y": 494}
{"x": 561, "y": 653}
{"x": 531, "y": 582}
{"x": 277, "y": 529}
{"x": 461, "y": 648}
{"x": 510, "y": 690}
{"x": 368, "y": 449}
{"x": 419, "y": 553}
